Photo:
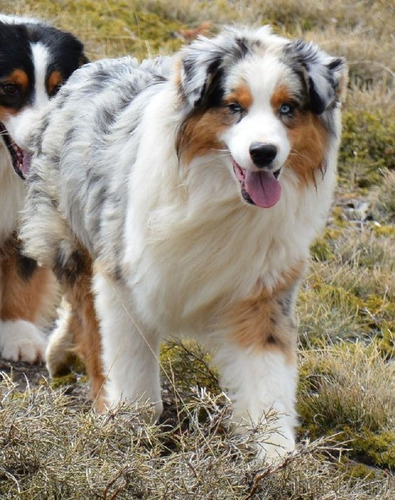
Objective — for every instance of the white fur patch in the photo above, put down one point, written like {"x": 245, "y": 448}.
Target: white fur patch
{"x": 258, "y": 384}
{"x": 21, "y": 341}
{"x": 12, "y": 192}
{"x": 130, "y": 356}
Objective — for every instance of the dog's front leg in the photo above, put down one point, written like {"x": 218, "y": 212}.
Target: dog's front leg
{"x": 262, "y": 388}
{"x": 130, "y": 352}
{"x": 256, "y": 356}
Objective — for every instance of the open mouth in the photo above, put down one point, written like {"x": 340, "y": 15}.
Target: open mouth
{"x": 260, "y": 187}
{"x": 20, "y": 159}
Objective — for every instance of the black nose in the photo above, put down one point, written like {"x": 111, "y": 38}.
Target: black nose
{"x": 262, "y": 154}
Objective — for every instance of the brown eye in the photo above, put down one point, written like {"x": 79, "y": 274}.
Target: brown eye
{"x": 56, "y": 89}
{"x": 11, "y": 89}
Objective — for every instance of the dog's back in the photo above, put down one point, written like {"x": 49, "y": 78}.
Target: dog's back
{"x": 81, "y": 125}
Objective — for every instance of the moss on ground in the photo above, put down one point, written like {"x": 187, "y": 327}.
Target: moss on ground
{"x": 367, "y": 149}
{"x": 347, "y": 393}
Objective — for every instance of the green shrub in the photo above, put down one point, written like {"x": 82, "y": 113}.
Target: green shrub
{"x": 367, "y": 148}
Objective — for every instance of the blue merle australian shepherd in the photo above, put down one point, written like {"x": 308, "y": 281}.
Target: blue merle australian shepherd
{"x": 179, "y": 197}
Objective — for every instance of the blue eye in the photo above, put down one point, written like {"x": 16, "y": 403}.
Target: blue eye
{"x": 287, "y": 109}
{"x": 235, "y": 108}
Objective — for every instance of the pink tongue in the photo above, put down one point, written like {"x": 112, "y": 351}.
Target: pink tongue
{"x": 263, "y": 188}
{"x": 26, "y": 163}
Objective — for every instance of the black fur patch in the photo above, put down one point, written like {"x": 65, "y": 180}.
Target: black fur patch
{"x": 317, "y": 72}
{"x": 205, "y": 88}
{"x": 68, "y": 267}
{"x": 25, "y": 267}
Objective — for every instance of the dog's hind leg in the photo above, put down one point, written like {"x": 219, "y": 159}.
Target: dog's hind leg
{"x": 60, "y": 351}
{"x": 84, "y": 328}
{"x": 28, "y": 291}
{"x": 130, "y": 352}
{"x": 77, "y": 331}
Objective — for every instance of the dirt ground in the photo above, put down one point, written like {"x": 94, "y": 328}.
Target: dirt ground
{"x": 24, "y": 374}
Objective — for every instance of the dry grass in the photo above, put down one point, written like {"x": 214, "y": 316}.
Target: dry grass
{"x": 53, "y": 445}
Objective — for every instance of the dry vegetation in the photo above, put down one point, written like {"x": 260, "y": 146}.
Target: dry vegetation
{"x": 52, "y": 445}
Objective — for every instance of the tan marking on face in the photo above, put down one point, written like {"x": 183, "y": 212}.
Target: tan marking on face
{"x": 266, "y": 320}
{"x": 5, "y": 113}
{"x": 280, "y": 96}
{"x": 19, "y": 77}
{"x": 54, "y": 80}
{"x": 241, "y": 95}
{"x": 309, "y": 142}
{"x": 200, "y": 133}
{"x": 307, "y": 136}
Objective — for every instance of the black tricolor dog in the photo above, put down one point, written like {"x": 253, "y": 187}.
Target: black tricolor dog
{"x": 35, "y": 60}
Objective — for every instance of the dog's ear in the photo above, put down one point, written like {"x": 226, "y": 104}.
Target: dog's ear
{"x": 202, "y": 67}
{"x": 83, "y": 60}
{"x": 325, "y": 76}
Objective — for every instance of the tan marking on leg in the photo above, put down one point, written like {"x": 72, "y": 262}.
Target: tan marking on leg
{"x": 24, "y": 298}
{"x": 266, "y": 320}
{"x": 85, "y": 330}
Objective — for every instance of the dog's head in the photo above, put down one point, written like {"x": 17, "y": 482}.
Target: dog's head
{"x": 266, "y": 100}
{"x": 35, "y": 60}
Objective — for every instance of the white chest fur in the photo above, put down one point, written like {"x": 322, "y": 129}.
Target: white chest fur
{"x": 205, "y": 247}
{"x": 12, "y": 191}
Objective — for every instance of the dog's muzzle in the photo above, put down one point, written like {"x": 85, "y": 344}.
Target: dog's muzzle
{"x": 20, "y": 159}
{"x": 258, "y": 187}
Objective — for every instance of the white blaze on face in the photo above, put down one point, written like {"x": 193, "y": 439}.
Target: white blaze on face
{"x": 20, "y": 125}
{"x": 41, "y": 60}
{"x": 260, "y": 124}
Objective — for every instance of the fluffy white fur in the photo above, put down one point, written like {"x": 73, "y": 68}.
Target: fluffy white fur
{"x": 21, "y": 341}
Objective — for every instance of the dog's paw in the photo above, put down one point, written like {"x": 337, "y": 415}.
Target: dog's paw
{"x": 22, "y": 341}
{"x": 275, "y": 447}
{"x": 273, "y": 437}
